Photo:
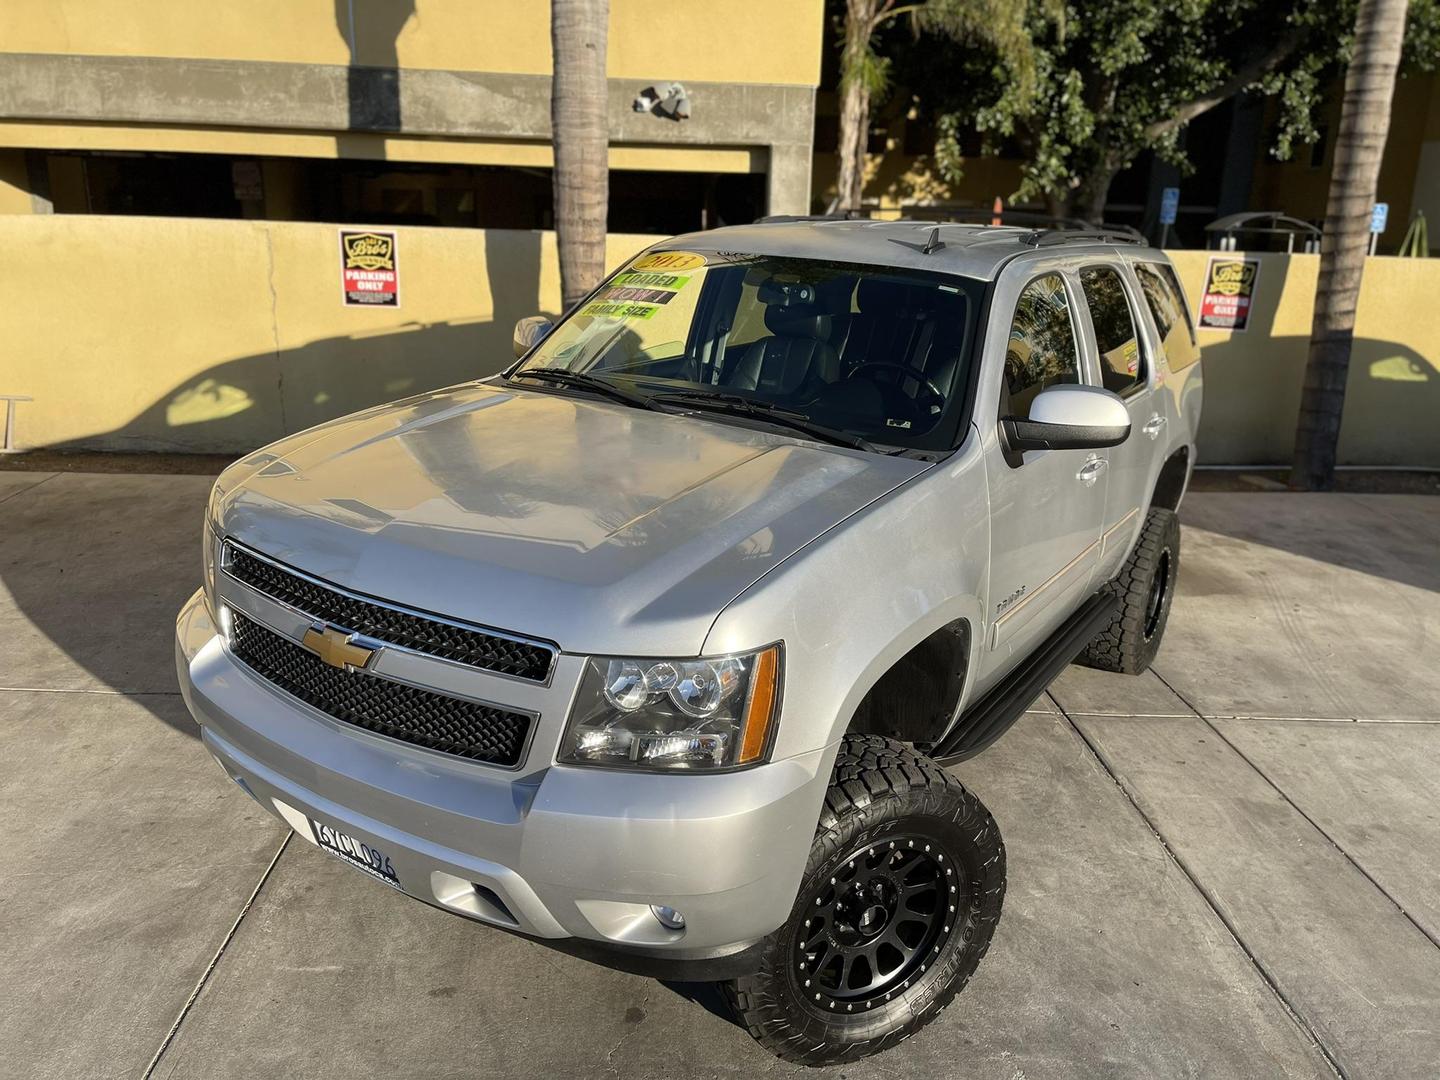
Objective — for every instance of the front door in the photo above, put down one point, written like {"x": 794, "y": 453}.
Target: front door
{"x": 1126, "y": 369}
{"x": 1045, "y": 506}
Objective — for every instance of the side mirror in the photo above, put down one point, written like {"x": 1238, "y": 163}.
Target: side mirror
{"x": 1068, "y": 417}
{"x": 529, "y": 331}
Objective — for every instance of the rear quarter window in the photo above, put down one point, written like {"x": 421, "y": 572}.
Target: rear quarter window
{"x": 1166, "y": 301}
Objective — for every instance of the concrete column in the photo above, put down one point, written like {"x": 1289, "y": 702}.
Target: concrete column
{"x": 787, "y": 184}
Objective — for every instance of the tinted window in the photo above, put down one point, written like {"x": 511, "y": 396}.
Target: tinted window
{"x": 1172, "y": 317}
{"x": 1122, "y": 368}
{"x": 872, "y": 351}
{"x": 1041, "y": 351}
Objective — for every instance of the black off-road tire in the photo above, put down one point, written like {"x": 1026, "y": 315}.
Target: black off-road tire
{"x": 885, "y": 802}
{"x": 1145, "y": 586}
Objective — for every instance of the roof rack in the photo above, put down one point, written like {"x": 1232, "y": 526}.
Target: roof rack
{"x": 1051, "y": 237}
{"x": 780, "y": 219}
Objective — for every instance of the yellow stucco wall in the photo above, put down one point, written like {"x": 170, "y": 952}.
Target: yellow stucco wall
{"x": 781, "y": 39}
{"x": 1253, "y": 379}
{"x": 172, "y": 333}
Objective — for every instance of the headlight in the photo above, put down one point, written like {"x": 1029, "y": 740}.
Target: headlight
{"x": 707, "y": 714}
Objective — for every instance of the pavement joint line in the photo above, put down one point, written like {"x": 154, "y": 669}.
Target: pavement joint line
{"x": 214, "y": 961}
{"x": 29, "y": 487}
{"x": 87, "y": 690}
{"x": 1309, "y": 719}
{"x": 1313, "y": 823}
{"x": 1295, "y": 1015}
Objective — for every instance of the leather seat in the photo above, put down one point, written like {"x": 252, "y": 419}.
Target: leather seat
{"x": 797, "y": 362}
{"x": 910, "y": 324}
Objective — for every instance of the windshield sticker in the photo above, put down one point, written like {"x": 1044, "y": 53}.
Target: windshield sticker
{"x": 677, "y": 261}
{"x": 643, "y": 296}
{"x": 606, "y": 310}
{"x": 638, "y": 294}
{"x": 651, "y": 281}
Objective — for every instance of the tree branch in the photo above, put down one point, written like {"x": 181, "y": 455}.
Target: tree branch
{"x": 1247, "y": 73}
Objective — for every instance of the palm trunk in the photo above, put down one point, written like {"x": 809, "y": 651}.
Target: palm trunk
{"x": 854, "y": 103}
{"x": 1364, "y": 123}
{"x": 580, "y": 130}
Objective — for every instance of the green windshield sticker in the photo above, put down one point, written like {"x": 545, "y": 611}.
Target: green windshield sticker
{"x": 607, "y": 310}
{"x": 652, "y": 281}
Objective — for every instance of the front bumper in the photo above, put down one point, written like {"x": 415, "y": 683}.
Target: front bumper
{"x": 572, "y": 856}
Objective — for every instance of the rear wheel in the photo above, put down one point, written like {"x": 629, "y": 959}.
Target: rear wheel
{"x": 1145, "y": 586}
{"x": 900, "y": 898}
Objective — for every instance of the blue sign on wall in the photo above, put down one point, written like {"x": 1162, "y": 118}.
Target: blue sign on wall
{"x": 1378, "y": 215}
{"x": 1169, "y": 205}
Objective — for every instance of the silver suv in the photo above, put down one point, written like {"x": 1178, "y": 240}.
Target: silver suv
{"x": 654, "y": 647}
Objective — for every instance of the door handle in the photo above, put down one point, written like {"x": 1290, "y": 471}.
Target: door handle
{"x": 1154, "y": 426}
{"x": 1091, "y": 470}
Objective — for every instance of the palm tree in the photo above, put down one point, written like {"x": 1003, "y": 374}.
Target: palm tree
{"x": 579, "y": 126}
{"x": 1364, "y": 123}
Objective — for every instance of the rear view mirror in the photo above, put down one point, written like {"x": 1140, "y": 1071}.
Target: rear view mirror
{"x": 1068, "y": 418}
{"x": 530, "y": 331}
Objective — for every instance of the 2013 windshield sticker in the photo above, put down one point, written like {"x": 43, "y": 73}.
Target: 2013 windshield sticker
{"x": 676, "y": 261}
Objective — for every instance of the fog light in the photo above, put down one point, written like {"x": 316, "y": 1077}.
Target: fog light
{"x": 668, "y": 916}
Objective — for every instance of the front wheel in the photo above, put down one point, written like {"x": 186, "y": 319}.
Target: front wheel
{"x": 900, "y": 898}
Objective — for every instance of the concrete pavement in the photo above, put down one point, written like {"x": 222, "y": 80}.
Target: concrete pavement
{"x": 1224, "y": 868}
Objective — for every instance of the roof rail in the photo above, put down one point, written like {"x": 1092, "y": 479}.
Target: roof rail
{"x": 1051, "y": 237}
{"x": 843, "y": 215}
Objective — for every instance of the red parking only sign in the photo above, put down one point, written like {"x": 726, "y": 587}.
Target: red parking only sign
{"x": 1229, "y": 292}
{"x": 369, "y": 268}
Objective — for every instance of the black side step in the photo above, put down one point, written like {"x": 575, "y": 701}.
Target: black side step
{"x": 990, "y": 717}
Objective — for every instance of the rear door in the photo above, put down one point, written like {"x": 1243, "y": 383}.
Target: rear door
{"x": 1045, "y": 506}
{"x": 1177, "y": 351}
{"x": 1126, "y": 368}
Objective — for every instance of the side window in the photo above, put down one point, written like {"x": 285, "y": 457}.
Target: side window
{"x": 1122, "y": 368}
{"x": 1172, "y": 316}
{"x": 1041, "y": 350}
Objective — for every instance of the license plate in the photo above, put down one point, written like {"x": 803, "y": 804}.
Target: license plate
{"x": 356, "y": 852}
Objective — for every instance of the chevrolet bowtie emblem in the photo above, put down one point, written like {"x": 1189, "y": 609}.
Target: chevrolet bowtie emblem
{"x": 335, "y": 647}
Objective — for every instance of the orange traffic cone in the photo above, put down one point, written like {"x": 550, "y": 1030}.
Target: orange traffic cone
{"x": 997, "y": 210}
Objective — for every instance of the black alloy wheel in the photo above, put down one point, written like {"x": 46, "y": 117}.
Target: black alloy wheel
{"x": 874, "y": 924}
{"x": 898, "y": 903}
{"x": 1159, "y": 589}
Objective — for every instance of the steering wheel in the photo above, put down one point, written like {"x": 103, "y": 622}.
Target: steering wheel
{"x": 904, "y": 371}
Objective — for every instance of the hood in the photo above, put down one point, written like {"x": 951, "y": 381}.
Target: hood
{"x": 597, "y": 526}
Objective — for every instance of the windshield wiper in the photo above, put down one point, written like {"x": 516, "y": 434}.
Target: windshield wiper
{"x": 582, "y": 381}
{"x": 767, "y": 411}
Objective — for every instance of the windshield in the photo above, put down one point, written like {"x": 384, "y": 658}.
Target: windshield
{"x": 874, "y": 352}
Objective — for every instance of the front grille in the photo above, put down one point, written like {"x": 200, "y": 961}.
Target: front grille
{"x": 522, "y": 659}
{"x": 420, "y": 717}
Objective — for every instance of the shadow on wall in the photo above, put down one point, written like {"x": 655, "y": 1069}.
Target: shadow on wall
{"x": 373, "y": 89}
{"x": 238, "y": 405}
{"x": 1253, "y": 383}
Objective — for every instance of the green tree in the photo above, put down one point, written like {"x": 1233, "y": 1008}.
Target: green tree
{"x": 1359, "y": 146}
{"x": 865, "y": 71}
{"x": 1115, "y": 78}
{"x": 579, "y": 129}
